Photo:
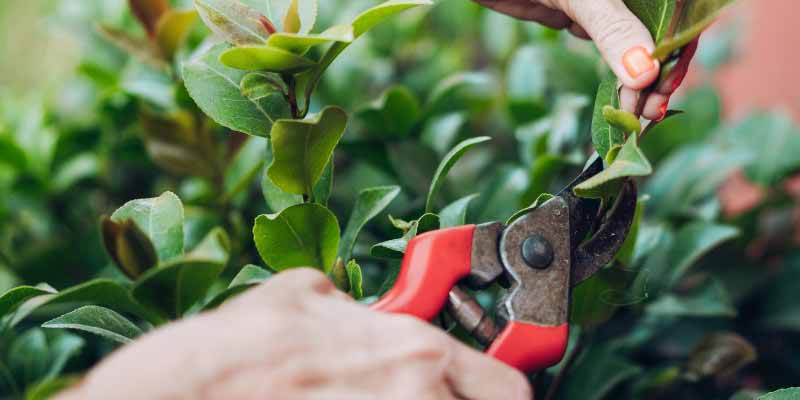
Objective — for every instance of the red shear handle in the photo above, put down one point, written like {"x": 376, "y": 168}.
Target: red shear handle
{"x": 529, "y": 347}
{"x": 433, "y": 264}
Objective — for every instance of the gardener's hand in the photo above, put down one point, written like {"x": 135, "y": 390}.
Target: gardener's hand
{"x": 297, "y": 337}
{"x": 624, "y": 42}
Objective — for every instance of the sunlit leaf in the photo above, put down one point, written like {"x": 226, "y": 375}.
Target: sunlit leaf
{"x": 99, "y": 321}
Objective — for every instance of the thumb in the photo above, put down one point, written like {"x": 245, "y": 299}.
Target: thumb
{"x": 623, "y": 40}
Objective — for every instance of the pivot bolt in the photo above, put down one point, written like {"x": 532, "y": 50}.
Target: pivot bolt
{"x": 537, "y": 252}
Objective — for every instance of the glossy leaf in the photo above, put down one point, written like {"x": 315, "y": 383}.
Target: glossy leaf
{"x": 774, "y": 139}
{"x": 543, "y": 198}
{"x": 249, "y": 276}
{"x": 361, "y": 24}
{"x": 264, "y": 58}
{"x": 369, "y": 204}
{"x": 302, "y": 149}
{"x": 216, "y": 90}
{"x": 447, "y": 163}
{"x": 690, "y": 20}
{"x": 629, "y": 162}
{"x": 655, "y": 14}
{"x": 455, "y": 214}
{"x": 160, "y": 218}
{"x": 394, "y": 249}
{"x": 99, "y": 321}
{"x": 174, "y": 287}
{"x": 394, "y": 114}
{"x": 276, "y": 199}
{"x": 13, "y": 298}
{"x": 129, "y": 247}
{"x": 258, "y": 85}
{"x": 783, "y": 394}
{"x": 301, "y": 43}
{"x": 247, "y": 163}
{"x": 305, "y": 235}
{"x": 674, "y": 257}
{"x": 605, "y": 135}
{"x": 233, "y": 21}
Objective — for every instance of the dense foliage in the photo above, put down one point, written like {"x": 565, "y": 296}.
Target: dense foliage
{"x": 302, "y": 139}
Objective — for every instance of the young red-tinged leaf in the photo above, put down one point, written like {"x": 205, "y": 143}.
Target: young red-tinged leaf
{"x": 148, "y": 12}
{"x": 234, "y": 22}
{"x": 172, "y": 29}
{"x": 690, "y": 18}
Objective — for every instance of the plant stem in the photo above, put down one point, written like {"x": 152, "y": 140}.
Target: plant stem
{"x": 552, "y": 391}
{"x": 291, "y": 85}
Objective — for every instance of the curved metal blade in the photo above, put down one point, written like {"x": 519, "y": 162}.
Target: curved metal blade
{"x": 596, "y": 252}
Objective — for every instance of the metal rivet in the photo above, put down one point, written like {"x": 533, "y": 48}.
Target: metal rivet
{"x": 537, "y": 252}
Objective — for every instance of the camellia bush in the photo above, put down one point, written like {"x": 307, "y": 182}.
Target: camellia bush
{"x": 201, "y": 147}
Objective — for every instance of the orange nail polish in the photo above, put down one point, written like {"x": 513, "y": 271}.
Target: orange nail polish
{"x": 638, "y": 61}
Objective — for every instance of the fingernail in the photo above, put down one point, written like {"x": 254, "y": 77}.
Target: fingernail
{"x": 638, "y": 61}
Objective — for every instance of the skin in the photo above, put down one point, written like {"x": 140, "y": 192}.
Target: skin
{"x": 615, "y": 30}
{"x": 297, "y": 337}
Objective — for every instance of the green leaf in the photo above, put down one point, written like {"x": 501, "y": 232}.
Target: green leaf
{"x": 775, "y": 141}
{"x": 605, "y": 135}
{"x": 300, "y": 43}
{"x": 247, "y": 163}
{"x": 258, "y": 85}
{"x": 361, "y": 24}
{"x": 74, "y": 170}
{"x": 305, "y": 235}
{"x": 355, "y": 279}
{"x": 394, "y": 114}
{"x": 397, "y": 247}
{"x": 324, "y": 186}
{"x": 710, "y": 300}
{"x": 622, "y": 120}
{"x": 447, "y": 163}
{"x": 13, "y": 298}
{"x": 302, "y": 149}
{"x": 543, "y": 198}
{"x": 442, "y": 131}
{"x": 234, "y": 22}
{"x": 656, "y": 15}
{"x": 99, "y": 321}
{"x": 249, "y": 276}
{"x": 100, "y": 292}
{"x": 304, "y": 17}
{"x": 216, "y": 90}
{"x": 50, "y": 388}
{"x": 291, "y": 21}
{"x": 173, "y": 288}
{"x": 691, "y": 20}
{"x": 140, "y": 48}
{"x": 599, "y": 370}
{"x": 265, "y": 58}
{"x": 626, "y": 253}
{"x": 783, "y": 394}
{"x": 276, "y": 199}
{"x": 369, "y": 204}
{"x": 455, "y": 214}
{"x": 28, "y": 356}
{"x": 160, "y": 218}
{"x": 63, "y": 347}
{"x": 669, "y": 264}
{"x": 172, "y": 30}
{"x": 629, "y": 162}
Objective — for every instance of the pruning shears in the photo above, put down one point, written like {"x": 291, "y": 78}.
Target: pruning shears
{"x": 539, "y": 258}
